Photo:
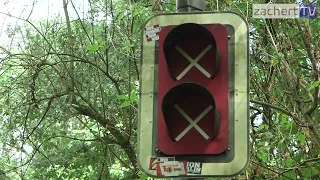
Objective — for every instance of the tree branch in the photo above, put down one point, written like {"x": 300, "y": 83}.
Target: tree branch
{"x": 272, "y": 106}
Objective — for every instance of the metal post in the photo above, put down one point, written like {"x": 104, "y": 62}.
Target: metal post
{"x": 190, "y": 5}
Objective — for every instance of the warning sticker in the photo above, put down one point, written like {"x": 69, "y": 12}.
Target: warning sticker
{"x": 168, "y": 166}
{"x": 165, "y": 159}
{"x": 152, "y": 32}
{"x": 155, "y": 161}
{"x": 153, "y": 164}
{"x": 194, "y": 167}
{"x": 172, "y": 168}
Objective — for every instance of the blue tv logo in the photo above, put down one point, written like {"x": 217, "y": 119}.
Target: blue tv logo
{"x": 308, "y": 11}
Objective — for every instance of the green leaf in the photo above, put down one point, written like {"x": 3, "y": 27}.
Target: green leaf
{"x": 93, "y": 48}
{"x": 263, "y": 157}
{"x": 275, "y": 62}
{"x": 302, "y": 138}
{"x": 261, "y": 127}
{"x": 142, "y": 175}
{"x": 136, "y": 12}
{"x": 101, "y": 41}
{"x": 314, "y": 85}
{"x": 269, "y": 135}
{"x": 77, "y": 131}
{"x": 38, "y": 37}
{"x": 289, "y": 124}
{"x": 282, "y": 140}
{"x": 92, "y": 11}
{"x": 125, "y": 104}
{"x": 289, "y": 162}
{"x": 267, "y": 147}
{"x": 309, "y": 172}
{"x": 284, "y": 119}
{"x": 298, "y": 158}
{"x": 127, "y": 48}
{"x": 280, "y": 55}
{"x": 120, "y": 17}
{"x": 133, "y": 96}
{"x": 123, "y": 97}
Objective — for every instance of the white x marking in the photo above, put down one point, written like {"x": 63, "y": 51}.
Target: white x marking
{"x": 193, "y": 62}
{"x": 192, "y": 123}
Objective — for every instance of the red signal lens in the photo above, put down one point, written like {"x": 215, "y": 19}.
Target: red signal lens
{"x": 193, "y": 89}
